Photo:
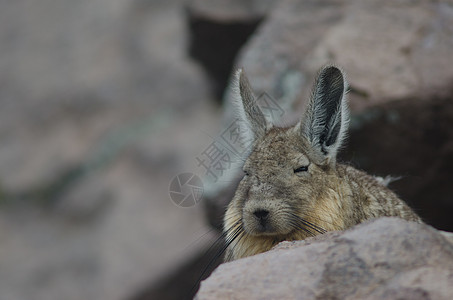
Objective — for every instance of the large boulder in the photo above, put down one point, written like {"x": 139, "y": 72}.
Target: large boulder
{"x": 389, "y": 50}
{"x": 394, "y": 138}
{"x": 97, "y": 101}
{"x": 387, "y": 258}
{"x": 392, "y": 52}
{"x": 218, "y": 29}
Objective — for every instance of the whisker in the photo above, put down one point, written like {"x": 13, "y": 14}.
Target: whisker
{"x": 231, "y": 217}
{"x": 313, "y": 226}
{"x": 297, "y": 225}
{"x": 242, "y": 235}
{"x": 322, "y": 220}
{"x": 228, "y": 242}
{"x": 234, "y": 231}
{"x": 198, "y": 239}
{"x": 309, "y": 224}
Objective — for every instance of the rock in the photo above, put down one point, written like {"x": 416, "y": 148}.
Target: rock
{"x": 391, "y": 51}
{"x": 447, "y": 235}
{"x": 227, "y": 10}
{"x": 85, "y": 200}
{"x": 73, "y": 73}
{"x": 218, "y": 29}
{"x": 101, "y": 107}
{"x": 382, "y": 259}
{"x": 99, "y": 248}
{"x": 394, "y": 138}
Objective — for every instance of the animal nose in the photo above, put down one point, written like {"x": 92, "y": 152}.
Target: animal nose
{"x": 261, "y": 214}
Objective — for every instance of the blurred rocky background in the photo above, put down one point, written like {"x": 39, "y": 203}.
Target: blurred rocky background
{"x": 103, "y": 102}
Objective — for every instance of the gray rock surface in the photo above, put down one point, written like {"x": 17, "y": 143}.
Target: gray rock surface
{"x": 394, "y": 137}
{"x": 100, "y": 108}
{"x": 387, "y": 258}
{"x": 67, "y": 84}
{"x": 228, "y": 10}
{"x": 390, "y": 50}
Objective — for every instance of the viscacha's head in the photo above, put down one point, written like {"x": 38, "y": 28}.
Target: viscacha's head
{"x": 288, "y": 170}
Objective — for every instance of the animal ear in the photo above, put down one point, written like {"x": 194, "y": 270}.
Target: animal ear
{"x": 252, "y": 121}
{"x": 326, "y": 118}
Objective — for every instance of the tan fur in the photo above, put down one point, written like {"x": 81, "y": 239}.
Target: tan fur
{"x": 327, "y": 196}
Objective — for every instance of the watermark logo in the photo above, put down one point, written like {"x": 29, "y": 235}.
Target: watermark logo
{"x": 186, "y": 190}
{"x": 216, "y": 159}
{"x": 270, "y": 108}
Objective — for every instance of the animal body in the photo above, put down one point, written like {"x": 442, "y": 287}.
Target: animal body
{"x": 293, "y": 187}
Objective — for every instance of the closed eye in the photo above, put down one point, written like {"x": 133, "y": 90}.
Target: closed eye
{"x": 301, "y": 169}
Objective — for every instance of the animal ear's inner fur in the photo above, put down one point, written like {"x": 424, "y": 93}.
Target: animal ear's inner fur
{"x": 324, "y": 123}
{"x": 326, "y": 117}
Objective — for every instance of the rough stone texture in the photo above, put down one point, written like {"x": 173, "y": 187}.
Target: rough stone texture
{"x": 390, "y": 50}
{"x": 100, "y": 108}
{"x": 385, "y": 259}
